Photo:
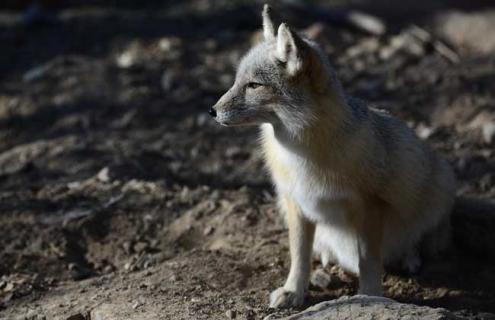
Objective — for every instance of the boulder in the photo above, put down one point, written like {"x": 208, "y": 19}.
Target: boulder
{"x": 362, "y": 307}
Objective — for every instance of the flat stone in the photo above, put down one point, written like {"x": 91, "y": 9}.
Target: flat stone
{"x": 365, "y": 307}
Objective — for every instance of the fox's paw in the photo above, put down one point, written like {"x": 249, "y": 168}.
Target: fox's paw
{"x": 282, "y": 298}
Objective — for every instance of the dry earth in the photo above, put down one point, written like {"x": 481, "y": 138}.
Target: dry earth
{"x": 118, "y": 194}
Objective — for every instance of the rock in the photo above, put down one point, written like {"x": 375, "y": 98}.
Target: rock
{"x": 37, "y": 73}
{"x": 320, "y": 279}
{"x": 125, "y": 60}
{"x": 488, "y": 132}
{"x": 78, "y": 271}
{"x": 136, "y": 305}
{"x": 141, "y": 246}
{"x": 483, "y": 122}
{"x": 106, "y": 311}
{"x": 127, "y": 246}
{"x": 468, "y": 31}
{"x": 169, "y": 79}
{"x": 220, "y": 244}
{"x": 208, "y": 230}
{"x": 77, "y": 316}
{"x": 230, "y": 314}
{"x": 365, "y": 307}
{"x": 168, "y": 44}
{"x": 103, "y": 175}
{"x": 9, "y": 287}
{"x": 423, "y": 131}
{"x": 366, "y": 22}
{"x": 21, "y": 156}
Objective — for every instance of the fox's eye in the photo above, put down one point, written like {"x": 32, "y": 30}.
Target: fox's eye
{"x": 254, "y": 85}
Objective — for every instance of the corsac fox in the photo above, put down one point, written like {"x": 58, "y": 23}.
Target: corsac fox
{"x": 355, "y": 184}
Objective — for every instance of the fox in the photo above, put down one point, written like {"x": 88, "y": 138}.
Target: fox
{"x": 356, "y": 186}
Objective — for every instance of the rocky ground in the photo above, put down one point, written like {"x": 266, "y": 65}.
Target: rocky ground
{"x": 119, "y": 196}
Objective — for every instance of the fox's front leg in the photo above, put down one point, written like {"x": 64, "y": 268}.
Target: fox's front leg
{"x": 301, "y": 234}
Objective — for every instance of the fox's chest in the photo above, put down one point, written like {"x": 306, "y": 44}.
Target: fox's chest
{"x": 321, "y": 193}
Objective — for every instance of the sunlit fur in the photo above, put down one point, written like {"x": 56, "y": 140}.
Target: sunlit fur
{"x": 373, "y": 190}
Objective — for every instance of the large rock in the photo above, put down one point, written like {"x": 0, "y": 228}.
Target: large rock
{"x": 366, "y": 308}
{"x": 471, "y": 31}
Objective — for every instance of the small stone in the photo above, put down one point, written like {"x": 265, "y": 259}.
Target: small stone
{"x": 174, "y": 278}
{"x": 168, "y": 44}
{"x": 230, "y": 314}
{"x": 141, "y": 246}
{"x": 208, "y": 231}
{"x": 108, "y": 268}
{"x": 488, "y": 131}
{"x": 74, "y": 185}
{"x": 250, "y": 314}
{"x": 126, "y": 59}
{"x": 76, "y": 317}
{"x": 37, "y": 72}
{"x": 168, "y": 80}
{"x": 8, "y": 287}
{"x": 423, "y": 131}
{"x": 78, "y": 272}
{"x": 233, "y": 151}
{"x": 31, "y": 315}
{"x": 127, "y": 246}
{"x": 320, "y": 279}
{"x": 103, "y": 175}
{"x": 487, "y": 182}
{"x": 128, "y": 266}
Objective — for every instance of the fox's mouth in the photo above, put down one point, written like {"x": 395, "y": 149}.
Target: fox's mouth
{"x": 236, "y": 124}
{"x": 236, "y": 119}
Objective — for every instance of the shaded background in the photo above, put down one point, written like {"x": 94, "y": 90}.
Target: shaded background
{"x": 117, "y": 190}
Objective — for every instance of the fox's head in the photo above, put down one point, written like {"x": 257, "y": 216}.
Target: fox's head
{"x": 279, "y": 81}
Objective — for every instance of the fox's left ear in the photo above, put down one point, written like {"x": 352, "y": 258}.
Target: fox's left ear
{"x": 268, "y": 28}
{"x": 291, "y": 49}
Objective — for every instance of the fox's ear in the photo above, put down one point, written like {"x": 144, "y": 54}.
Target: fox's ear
{"x": 290, "y": 49}
{"x": 268, "y": 29}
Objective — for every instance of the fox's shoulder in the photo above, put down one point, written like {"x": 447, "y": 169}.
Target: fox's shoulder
{"x": 380, "y": 126}
{"x": 378, "y": 117}
{"x": 362, "y": 109}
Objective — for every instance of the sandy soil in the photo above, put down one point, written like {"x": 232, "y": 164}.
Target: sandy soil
{"x": 117, "y": 192}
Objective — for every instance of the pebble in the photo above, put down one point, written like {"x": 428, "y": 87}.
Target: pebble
{"x": 76, "y": 317}
{"x": 488, "y": 131}
{"x": 320, "y": 278}
{"x": 103, "y": 175}
{"x": 141, "y": 246}
{"x": 208, "y": 231}
{"x": 230, "y": 314}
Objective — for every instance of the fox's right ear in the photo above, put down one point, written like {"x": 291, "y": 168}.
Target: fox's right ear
{"x": 290, "y": 50}
{"x": 268, "y": 28}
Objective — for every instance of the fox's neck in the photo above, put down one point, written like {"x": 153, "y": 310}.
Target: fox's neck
{"x": 331, "y": 121}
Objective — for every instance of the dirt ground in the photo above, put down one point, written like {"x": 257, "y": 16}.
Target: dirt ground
{"x": 118, "y": 192}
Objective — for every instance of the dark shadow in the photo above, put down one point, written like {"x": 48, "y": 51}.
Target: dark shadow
{"x": 465, "y": 272}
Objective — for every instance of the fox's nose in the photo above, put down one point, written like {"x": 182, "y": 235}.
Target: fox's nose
{"x": 212, "y": 112}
